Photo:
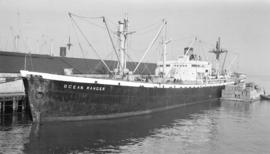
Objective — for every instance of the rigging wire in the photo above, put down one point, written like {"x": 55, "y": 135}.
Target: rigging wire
{"x": 183, "y": 38}
{"x": 97, "y": 25}
{"x": 146, "y": 32}
{"x": 84, "y": 18}
{"x": 202, "y": 50}
{"x": 151, "y": 44}
{"x": 70, "y": 65}
{"x": 111, "y": 22}
{"x": 114, "y": 48}
{"x": 98, "y": 64}
{"x": 90, "y": 45}
{"x": 148, "y": 28}
{"x": 109, "y": 31}
{"x": 80, "y": 46}
{"x": 133, "y": 64}
{"x": 79, "y": 16}
{"x": 211, "y": 46}
{"x": 144, "y": 67}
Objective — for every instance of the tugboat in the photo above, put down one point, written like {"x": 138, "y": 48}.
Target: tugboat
{"x": 184, "y": 81}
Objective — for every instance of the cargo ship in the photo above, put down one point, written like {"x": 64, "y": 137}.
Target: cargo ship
{"x": 123, "y": 92}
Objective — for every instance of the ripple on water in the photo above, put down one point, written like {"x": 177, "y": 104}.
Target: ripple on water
{"x": 13, "y": 139}
{"x": 228, "y": 128}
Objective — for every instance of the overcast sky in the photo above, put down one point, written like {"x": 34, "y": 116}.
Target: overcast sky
{"x": 243, "y": 25}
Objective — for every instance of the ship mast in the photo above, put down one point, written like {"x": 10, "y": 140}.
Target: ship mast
{"x": 218, "y": 51}
{"x": 122, "y": 35}
{"x": 164, "y": 57}
{"x": 164, "y": 43}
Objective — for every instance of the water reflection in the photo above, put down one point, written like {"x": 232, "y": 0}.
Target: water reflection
{"x": 242, "y": 127}
{"x": 14, "y": 132}
{"x": 214, "y": 127}
{"x": 116, "y": 135}
{"x": 11, "y": 119}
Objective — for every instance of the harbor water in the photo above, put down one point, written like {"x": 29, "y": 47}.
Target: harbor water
{"x": 212, "y": 127}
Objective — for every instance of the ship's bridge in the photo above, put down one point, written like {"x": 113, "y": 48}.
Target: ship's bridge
{"x": 188, "y": 67}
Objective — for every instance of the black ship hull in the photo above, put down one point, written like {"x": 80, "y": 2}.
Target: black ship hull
{"x": 67, "y": 100}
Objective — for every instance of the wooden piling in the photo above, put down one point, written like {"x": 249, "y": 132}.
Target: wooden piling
{"x": 14, "y": 104}
{"x": 11, "y": 101}
{"x": 4, "y": 106}
{"x": 24, "y": 104}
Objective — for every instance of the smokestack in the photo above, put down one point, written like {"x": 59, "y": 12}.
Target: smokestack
{"x": 63, "y": 51}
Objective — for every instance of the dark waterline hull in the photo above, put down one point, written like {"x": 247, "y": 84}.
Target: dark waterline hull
{"x": 52, "y": 100}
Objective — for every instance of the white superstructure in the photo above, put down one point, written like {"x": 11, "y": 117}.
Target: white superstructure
{"x": 188, "y": 67}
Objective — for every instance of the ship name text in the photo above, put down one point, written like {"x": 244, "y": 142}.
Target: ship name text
{"x": 81, "y": 87}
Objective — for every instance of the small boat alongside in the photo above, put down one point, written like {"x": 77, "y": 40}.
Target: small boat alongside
{"x": 265, "y": 97}
{"x": 242, "y": 91}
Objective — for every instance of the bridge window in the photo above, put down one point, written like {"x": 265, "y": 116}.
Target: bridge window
{"x": 195, "y": 65}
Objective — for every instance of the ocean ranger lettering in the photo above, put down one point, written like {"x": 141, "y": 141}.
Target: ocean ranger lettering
{"x": 74, "y": 86}
{"x": 187, "y": 80}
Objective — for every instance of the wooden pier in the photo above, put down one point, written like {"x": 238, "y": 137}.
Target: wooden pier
{"x": 12, "y": 102}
